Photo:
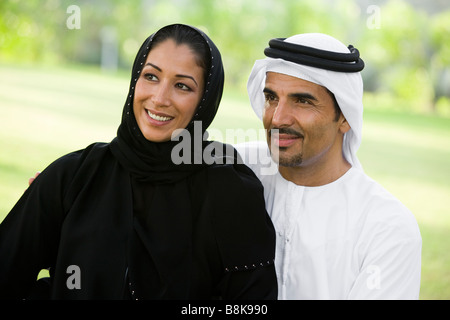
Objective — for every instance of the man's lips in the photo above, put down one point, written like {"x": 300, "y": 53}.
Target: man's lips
{"x": 284, "y": 137}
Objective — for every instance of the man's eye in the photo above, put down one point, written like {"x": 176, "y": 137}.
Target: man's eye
{"x": 270, "y": 97}
{"x": 303, "y": 101}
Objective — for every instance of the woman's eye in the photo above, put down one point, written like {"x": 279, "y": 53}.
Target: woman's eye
{"x": 182, "y": 86}
{"x": 150, "y": 77}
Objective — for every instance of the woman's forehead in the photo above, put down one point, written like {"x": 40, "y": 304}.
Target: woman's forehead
{"x": 172, "y": 55}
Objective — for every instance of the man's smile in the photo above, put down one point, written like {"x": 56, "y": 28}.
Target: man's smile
{"x": 284, "y": 137}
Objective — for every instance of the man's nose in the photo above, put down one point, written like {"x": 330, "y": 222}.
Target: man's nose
{"x": 282, "y": 115}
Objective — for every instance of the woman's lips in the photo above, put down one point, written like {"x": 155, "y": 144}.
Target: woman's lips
{"x": 158, "y": 118}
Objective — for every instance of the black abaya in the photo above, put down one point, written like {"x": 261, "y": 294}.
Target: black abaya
{"x": 137, "y": 226}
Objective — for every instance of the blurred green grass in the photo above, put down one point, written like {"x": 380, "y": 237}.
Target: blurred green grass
{"x": 48, "y": 112}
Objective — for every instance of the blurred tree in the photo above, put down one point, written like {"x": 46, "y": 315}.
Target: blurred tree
{"x": 26, "y": 37}
{"x": 399, "y": 55}
{"x": 406, "y": 47}
{"x": 440, "y": 61}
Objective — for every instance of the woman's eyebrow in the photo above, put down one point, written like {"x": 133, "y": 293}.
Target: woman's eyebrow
{"x": 186, "y": 76}
{"x": 178, "y": 75}
{"x": 156, "y": 67}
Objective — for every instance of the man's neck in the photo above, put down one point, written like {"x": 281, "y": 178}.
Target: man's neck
{"x": 316, "y": 174}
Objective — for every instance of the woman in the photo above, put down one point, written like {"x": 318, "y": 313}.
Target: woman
{"x": 121, "y": 220}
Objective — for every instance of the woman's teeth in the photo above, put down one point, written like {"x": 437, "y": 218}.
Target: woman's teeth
{"x": 158, "y": 118}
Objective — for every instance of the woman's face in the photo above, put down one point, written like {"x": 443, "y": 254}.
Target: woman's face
{"x": 168, "y": 90}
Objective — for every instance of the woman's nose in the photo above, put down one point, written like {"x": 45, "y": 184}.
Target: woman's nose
{"x": 161, "y": 95}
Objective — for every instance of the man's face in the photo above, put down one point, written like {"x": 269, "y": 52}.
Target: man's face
{"x": 304, "y": 114}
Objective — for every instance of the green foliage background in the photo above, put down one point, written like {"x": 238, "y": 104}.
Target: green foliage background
{"x": 406, "y": 44}
{"x": 55, "y": 97}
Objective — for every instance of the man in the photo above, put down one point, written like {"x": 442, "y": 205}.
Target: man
{"x": 340, "y": 235}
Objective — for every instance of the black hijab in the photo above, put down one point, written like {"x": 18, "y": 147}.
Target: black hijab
{"x": 150, "y": 161}
{"x": 160, "y": 244}
{"x": 139, "y": 226}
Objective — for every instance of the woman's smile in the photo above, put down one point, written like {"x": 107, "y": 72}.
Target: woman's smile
{"x": 157, "y": 118}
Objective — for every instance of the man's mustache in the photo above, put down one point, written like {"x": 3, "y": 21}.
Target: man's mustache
{"x": 289, "y": 131}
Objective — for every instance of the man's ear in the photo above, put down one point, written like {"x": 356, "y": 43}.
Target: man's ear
{"x": 343, "y": 124}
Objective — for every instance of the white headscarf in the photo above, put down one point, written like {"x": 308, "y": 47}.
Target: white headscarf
{"x": 346, "y": 87}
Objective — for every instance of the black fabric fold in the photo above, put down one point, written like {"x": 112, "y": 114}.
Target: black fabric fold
{"x": 313, "y": 57}
{"x": 150, "y": 161}
{"x": 140, "y": 226}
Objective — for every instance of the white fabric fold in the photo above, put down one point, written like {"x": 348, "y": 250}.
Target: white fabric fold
{"x": 346, "y": 87}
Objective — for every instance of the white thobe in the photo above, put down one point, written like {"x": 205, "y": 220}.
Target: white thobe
{"x": 349, "y": 239}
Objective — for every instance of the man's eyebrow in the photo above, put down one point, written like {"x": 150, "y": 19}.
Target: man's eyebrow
{"x": 178, "y": 75}
{"x": 299, "y": 95}
{"x": 269, "y": 91}
{"x": 303, "y": 95}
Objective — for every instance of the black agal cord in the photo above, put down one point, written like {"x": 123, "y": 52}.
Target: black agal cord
{"x": 334, "y": 61}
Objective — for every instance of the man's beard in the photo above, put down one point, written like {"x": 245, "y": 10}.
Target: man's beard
{"x": 292, "y": 161}
{"x": 277, "y": 153}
